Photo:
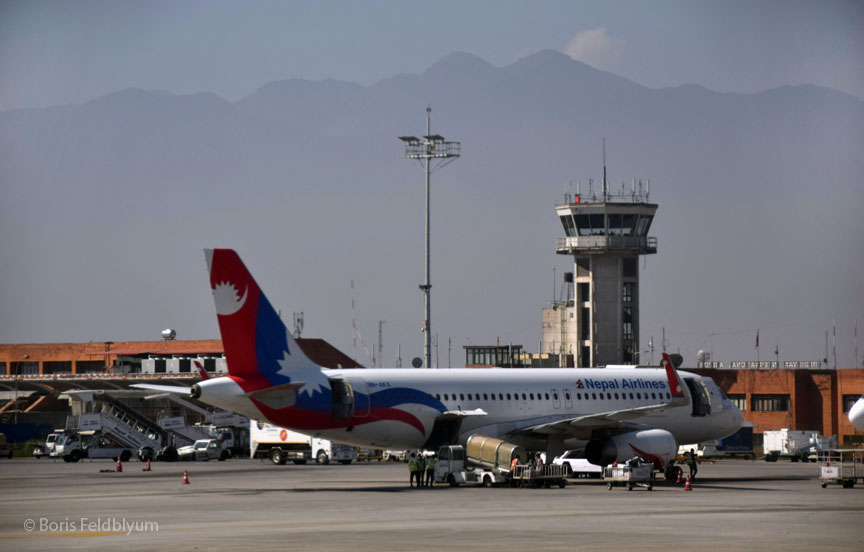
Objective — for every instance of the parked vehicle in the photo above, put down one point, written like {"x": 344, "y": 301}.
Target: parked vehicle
{"x": 47, "y": 448}
{"x": 484, "y": 460}
{"x": 739, "y": 443}
{"x": 577, "y": 465}
{"x": 278, "y": 444}
{"x": 5, "y": 448}
{"x": 801, "y": 446}
{"x": 327, "y": 451}
{"x": 204, "y": 449}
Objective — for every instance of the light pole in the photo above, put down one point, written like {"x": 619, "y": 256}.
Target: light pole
{"x": 433, "y": 146}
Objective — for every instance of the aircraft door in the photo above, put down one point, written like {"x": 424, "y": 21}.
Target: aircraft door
{"x": 362, "y": 399}
{"x": 556, "y": 399}
{"x": 699, "y": 397}
{"x": 343, "y": 399}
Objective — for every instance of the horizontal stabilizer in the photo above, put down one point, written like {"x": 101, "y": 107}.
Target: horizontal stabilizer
{"x": 163, "y": 388}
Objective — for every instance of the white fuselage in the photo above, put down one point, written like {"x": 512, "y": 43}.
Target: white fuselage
{"x": 498, "y": 402}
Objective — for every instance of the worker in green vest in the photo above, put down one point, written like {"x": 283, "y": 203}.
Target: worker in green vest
{"x": 430, "y": 470}
{"x": 421, "y": 468}
{"x": 414, "y": 470}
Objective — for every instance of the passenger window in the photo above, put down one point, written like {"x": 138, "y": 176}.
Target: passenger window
{"x": 485, "y": 397}
{"x": 446, "y": 397}
{"x": 631, "y": 396}
{"x": 639, "y": 396}
{"x": 532, "y": 396}
{"x": 594, "y": 396}
{"x": 461, "y": 397}
{"x": 601, "y": 396}
{"x": 508, "y": 396}
{"x": 616, "y": 396}
{"x": 668, "y": 396}
{"x": 547, "y": 396}
{"x": 567, "y": 395}
{"x": 437, "y": 396}
{"x": 555, "y": 395}
{"x": 524, "y": 398}
{"x": 500, "y": 396}
{"x": 653, "y": 396}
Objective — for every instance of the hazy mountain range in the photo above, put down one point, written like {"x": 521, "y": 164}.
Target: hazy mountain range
{"x": 107, "y": 205}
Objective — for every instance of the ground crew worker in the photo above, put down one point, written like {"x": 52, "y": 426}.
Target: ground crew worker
{"x": 421, "y": 469}
{"x": 430, "y": 470}
{"x": 691, "y": 462}
{"x": 413, "y": 468}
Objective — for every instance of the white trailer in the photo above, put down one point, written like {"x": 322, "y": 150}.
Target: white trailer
{"x": 793, "y": 444}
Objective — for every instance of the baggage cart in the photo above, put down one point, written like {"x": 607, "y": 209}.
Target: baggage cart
{"x": 841, "y": 467}
{"x": 527, "y": 475}
{"x": 630, "y": 475}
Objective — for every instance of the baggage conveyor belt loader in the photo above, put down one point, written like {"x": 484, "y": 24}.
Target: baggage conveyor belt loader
{"x": 491, "y": 462}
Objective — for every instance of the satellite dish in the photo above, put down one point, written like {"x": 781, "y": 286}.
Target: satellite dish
{"x": 417, "y": 362}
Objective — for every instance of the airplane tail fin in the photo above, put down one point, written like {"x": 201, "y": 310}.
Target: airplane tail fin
{"x": 259, "y": 351}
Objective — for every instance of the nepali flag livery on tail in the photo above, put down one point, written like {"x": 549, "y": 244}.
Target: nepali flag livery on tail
{"x": 265, "y": 361}
{"x": 259, "y": 351}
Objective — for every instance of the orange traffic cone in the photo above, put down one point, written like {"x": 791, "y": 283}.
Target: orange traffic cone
{"x": 119, "y": 467}
{"x": 147, "y": 468}
{"x": 687, "y": 486}
{"x": 679, "y": 476}
{"x": 185, "y": 477}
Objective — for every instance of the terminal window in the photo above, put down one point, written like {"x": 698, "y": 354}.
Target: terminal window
{"x": 769, "y": 403}
{"x": 848, "y": 401}
{"x": 740, "y": 401}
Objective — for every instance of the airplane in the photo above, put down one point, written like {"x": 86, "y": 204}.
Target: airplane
{"x": 612, "y": 413}
{"x": 856, "y": 414}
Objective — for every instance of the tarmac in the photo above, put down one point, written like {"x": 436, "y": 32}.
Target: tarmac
{"x": 241, "y": 504}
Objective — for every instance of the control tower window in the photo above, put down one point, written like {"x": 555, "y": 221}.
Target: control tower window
{"x": 644, "y": 225}
{"x": 569, "y": 227}
{"x": 614, "y": 225}
{"x": 628, "y": 225}
{"x": 583, "y": 224}
{"x": 597, "y": 226}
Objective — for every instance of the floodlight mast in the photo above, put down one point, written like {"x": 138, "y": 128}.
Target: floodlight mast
{"x": 432, "y": 146}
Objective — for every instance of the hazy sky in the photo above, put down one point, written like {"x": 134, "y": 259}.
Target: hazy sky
{"x": 59, "y": 52}
{"x": 54, "y": 52}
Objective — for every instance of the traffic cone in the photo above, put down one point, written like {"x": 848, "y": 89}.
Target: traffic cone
{"x": 677, "y": 481}
{"x": 687, "y": 485}
{"x": 119, "y": 467}
{"x": 147, "y": 468}
{"x": 185, "y": 477}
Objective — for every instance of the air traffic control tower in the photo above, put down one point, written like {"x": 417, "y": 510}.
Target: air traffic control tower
{"x": 605, "y": 233}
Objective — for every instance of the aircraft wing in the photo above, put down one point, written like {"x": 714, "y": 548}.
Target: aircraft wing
{"x": 457, "y": 414}
{"x": 581, "y": 427}
{"x": 614, "y": 421}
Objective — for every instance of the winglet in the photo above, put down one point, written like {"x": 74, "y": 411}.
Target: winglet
{"x": 201, "y": 371}
{"x": 676, "y": 386}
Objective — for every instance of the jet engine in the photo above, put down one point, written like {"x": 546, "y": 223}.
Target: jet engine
{"x": 654, "y": 445}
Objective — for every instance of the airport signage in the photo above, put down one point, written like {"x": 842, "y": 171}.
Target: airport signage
{"x": 794, "y": 364}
